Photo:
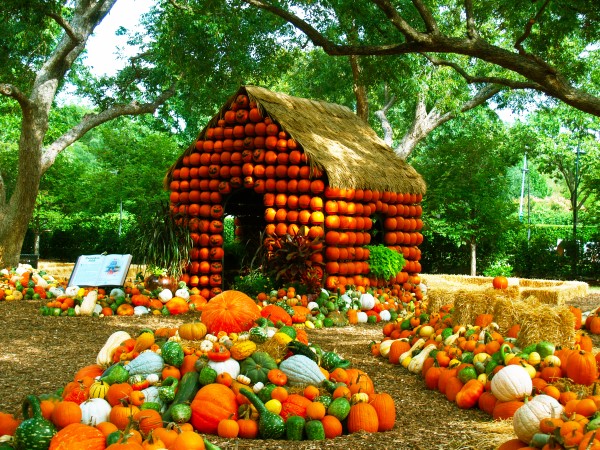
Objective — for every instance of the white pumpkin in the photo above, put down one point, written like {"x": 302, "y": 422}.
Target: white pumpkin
{"x": 71, "y": 291}
{"x": 140, "y": 311}
{"x": 511, "y": 383}
{"x": 312, "y": 305}
{"x": 231, "y": 366}
{"x": 362, "y": 317}
{"x": 526, "y": 420}
{"x": 165, "y": 295}
{"x": 95, "y": 411}
{"x": 183, "y": 293}
{"x": 367, "y": 301}
{"x": 385, "y": 315}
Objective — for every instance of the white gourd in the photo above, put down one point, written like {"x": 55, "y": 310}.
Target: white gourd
{"x": 362, "y": 317}
{"x": 526, "y": 420}
{"x": 140, "y": 310}
{"x": 145, "y": 363}
{"x": 385, "y": 315}
{"x": 88, "y": 303}
{"x": 512, "y": 382}
{"x": 417, "y": 345}
{"x": 301, "y": 371}
{"x": 105, "y": 355}
{"x": 416, "y": 364}
{"x": 95, "y": 411}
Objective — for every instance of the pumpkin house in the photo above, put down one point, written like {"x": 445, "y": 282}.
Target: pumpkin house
{"x": 284, "y": 165}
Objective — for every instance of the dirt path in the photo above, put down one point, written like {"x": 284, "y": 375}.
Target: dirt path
{"x": 40, "y": 354}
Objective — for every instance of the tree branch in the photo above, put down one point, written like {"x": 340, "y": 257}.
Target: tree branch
{"x": 76, "y": 37}
{"x": 472, "y": 32}
{"x": 474, "y": 79}
{"x": 12, "y": 91}
{"x": 180, "y": 6}
{"x": 424, "y": 122}
{"x": 93, "y": 120}
{"x": 398, "y": 21}
{"x": 541, "y": 76}
{"x": 528, "y": 27}
{"x": 388, "y": 132}
{"x": 430, "y": 23}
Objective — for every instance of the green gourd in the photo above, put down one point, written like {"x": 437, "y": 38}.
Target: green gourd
{"x": 36, "y": 432}
{"x": 207, "y": 375}
{"x": 331, "y": 361}
{"x": 181, "y": 413}
{"x": 270, "y": 425}
{"x": 314, "y": 430}
{"x": 117, "y": 373}
{"x": 294, "y": 428}
{"x": 186, "y": 391}
{"x": 265, "y": 393}
{"x": 166, "y": 391}
{"x": 172, "y": 353}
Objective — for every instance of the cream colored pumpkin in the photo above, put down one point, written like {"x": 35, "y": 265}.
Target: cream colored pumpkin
{"x": 526, "y": 420}
{"x": 511, "y": 383}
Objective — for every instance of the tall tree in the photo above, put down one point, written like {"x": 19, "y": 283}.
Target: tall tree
{"x": 565, "y": 143}
{"x": 47, "y": 38}
{"x": 465, "y": 169}
{"x": 540, "y": 45}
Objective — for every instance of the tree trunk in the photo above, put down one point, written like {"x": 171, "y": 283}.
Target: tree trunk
{"x": 34, "y": 159}
{"x": 473, "y": 245}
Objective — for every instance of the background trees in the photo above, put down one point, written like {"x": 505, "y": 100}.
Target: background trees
{"x": 430, "y": 108}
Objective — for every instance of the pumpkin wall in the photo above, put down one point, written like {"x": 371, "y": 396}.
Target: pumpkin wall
{"x": 244, "y": 150}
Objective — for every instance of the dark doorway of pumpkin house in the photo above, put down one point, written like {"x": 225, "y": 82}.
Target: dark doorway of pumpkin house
{"x": 244, "y": 229}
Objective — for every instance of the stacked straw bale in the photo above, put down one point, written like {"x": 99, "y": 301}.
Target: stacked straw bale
{"x": 538, "y": 306}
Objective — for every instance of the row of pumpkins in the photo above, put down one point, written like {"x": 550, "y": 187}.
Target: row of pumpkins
{"x": 232, "y": 375}
{"x": 475, "y": 366}
{"x": 357, "y": 305}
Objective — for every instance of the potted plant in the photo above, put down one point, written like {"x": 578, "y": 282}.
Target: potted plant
{"x": 163, "y": 245}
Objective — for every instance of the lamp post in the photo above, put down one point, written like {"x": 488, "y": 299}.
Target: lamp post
{"x": 577, "y": 152}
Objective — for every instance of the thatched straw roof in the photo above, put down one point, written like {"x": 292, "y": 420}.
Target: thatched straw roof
{"x": 335, "y": 140}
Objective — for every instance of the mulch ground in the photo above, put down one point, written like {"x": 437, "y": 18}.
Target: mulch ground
{"x": 40, "y": 354}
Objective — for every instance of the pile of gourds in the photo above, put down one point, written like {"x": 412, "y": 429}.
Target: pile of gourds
{"x": 25, "y": 283}
{"x": 230, "y": 375}
{"x": 475, "y": 366}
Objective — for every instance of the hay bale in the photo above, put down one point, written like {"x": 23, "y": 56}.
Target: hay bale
{"x": 507, "y": 313}
{"x": 469, "y": 305}
{"x": 541, "y": 321}
{"x": 553, "y": 292}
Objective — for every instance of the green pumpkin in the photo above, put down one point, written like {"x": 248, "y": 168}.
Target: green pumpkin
{"x": 181, "y": 413}
{"x": 467, "y": 357}
{"x": 172, "y": 353}
{"x": 265, "y": 393}
{"x": 340, "y": 408}
{"x": 117, "y": 373}
{"x": 467, "y": 373}
{"x": 257, "y": 366}
{"x": 258, "y": 335}
{"x": 36, "y": 432}
{"x": 545, "y": 348}
{"x": 290, "y": 331}
{"x": 208, "y": 375}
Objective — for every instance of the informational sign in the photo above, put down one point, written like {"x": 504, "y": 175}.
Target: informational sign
{"x": 100, "y": 270}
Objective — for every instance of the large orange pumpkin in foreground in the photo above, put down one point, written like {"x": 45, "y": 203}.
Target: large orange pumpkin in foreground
{"x": 213, "y": 403}
{"x": 230, "y": 311}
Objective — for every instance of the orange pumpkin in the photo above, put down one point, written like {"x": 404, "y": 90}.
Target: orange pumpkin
{"x": 230, "y": 311}
{"x": 213, "y": 403}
